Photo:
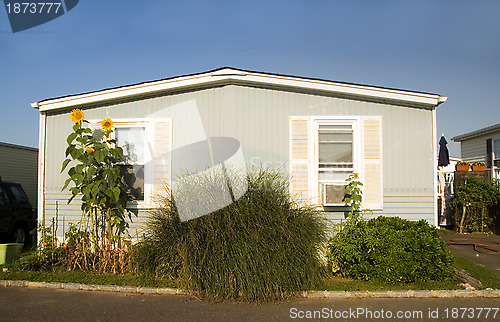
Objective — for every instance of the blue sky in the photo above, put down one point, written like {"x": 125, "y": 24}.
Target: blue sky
{"x": 449, "y": 47}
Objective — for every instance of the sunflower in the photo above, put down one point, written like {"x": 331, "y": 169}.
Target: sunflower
{"x": 90, "y": 150}
{"x": 76, "y": 115}
{"x": 107, "y": 124}
{"x": 356, "y": 175}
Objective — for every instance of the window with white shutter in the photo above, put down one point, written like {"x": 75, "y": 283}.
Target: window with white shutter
{"x": 147, "y": 145}
{"x": 326, "y": 150}
{"x": 496, "y": 158}
{"x": 336, "y": 158}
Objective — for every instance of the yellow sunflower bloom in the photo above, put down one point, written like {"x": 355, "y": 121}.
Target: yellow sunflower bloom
{"x": 356, "y": 175}
{"x": 76, "y": 115}
{"x": 107, "y": 124}
{"x": 90, "y": 150}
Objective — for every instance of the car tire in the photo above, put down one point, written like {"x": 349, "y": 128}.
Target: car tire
{"x": 20, "y": 235}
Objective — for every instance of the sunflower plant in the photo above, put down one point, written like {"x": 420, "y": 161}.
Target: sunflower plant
{"x": 353, "y": 195}
{"x": 93, "y": 158}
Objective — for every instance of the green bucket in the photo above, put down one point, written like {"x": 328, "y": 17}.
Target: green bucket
{"x": 10, "y": 252}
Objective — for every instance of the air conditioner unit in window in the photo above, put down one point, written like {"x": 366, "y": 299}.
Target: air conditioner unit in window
{"x": 333, "y": 194}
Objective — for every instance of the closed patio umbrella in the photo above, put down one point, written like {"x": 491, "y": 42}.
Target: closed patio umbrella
{"x": 444, "y": 156}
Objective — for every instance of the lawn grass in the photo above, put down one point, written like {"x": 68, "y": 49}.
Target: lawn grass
{"x": 334, "y": 283}
{"x": 488, "y": 278}
{"x": 331, "y": 284}
{"x": 345, "y": 284}
{"x": 447, "y": 232}
{"x": 82, "y": 277}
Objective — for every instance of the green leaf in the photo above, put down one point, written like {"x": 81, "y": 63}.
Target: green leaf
{"x": 109, "y": 192}
{"x": 82, "y": 139}
{"x": 91, "y": 171}
{"x": 99, "y": 155}
{"x": 71, "y": 137}
{"x": 78, "y": 154}
{"x": 78, "y": 177}
{"x": 79, "y": 168}
{"x": 76, "y": 127}
{"x": 116, "y": 193}
{"x": 119, "y": 153}
{"x": 66, "y": 183}
{"x": 87, "y": 190}
{"x": 74, "y": 153}
{"x": 69, "y": 149}
{"x": 96, "y": 189}
{"x": 65, "y": 164}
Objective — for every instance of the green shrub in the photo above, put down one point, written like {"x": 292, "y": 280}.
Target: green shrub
{"x": 389, "y": 249}
{"x": 474, "y": 198}
{"x": 263, "y": 247}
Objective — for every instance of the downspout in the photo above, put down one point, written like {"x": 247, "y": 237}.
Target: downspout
{"x": 435, "y": 163}
{"x": 41, "y": 166}
{"x": 440, "y": 100}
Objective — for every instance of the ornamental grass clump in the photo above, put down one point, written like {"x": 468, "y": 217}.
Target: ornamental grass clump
{"x": 262, "y": 247}
{"x": 389, "y": 249}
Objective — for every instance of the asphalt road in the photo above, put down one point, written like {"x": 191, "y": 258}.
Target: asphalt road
{"x": 33, "y": 304}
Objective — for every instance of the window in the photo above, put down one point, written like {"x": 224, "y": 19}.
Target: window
{"x": 335, "y": 159}
{"x": 133, "y": 142}
{"x": 335, "y": 152}
{"x": 3, "y": 197}
{"x": 496, "y": 152}
{"x": 146, "y": 168}
{"x": 496, "y": 158}
{"x": 18, "y": 195}
{"x": 325, "y": 150}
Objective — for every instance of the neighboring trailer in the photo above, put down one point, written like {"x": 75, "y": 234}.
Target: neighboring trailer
{"x": 482, "y": 145}
{"x": 19, "y": 164}
{"x": 315, "y": 130}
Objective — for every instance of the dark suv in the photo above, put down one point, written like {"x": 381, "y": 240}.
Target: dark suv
{"x": 17, "y": 216}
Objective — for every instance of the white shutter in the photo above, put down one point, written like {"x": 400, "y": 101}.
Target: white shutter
{"x": 299, "y": 159}
{"x": 372, "y": 176}
{"x": 162, "y": 148}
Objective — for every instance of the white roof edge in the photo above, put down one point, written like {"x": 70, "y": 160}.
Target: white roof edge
{"x": 229, "y": 74}
{"x": 476, "y": 133}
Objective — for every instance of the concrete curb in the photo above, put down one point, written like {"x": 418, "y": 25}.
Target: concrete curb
{"x": 488, "y": 293}
{"x": 102, "y": 288}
